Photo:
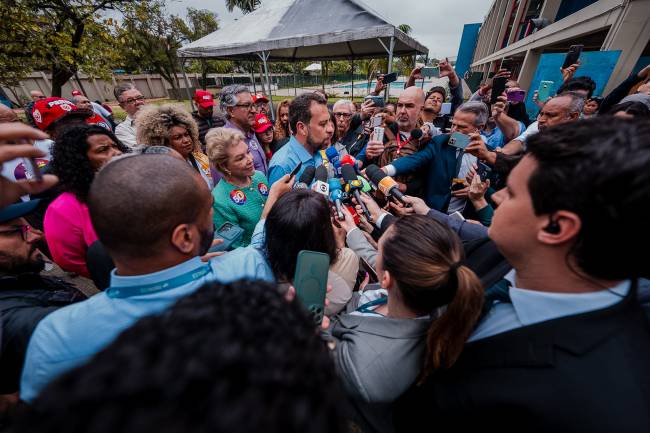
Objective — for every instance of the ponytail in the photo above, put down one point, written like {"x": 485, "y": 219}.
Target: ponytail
{"x": 448, "y": 333}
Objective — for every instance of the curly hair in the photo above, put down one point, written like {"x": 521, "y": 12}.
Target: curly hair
{"x": 217, "y": 143}
{"x": 227, "y": 358}
{"x": 154, "y": 124}
{"x": 70, "y": 161}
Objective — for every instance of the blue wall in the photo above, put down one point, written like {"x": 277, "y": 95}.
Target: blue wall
{"x": 595, "y": 64}
{"x": 466, "y": 48}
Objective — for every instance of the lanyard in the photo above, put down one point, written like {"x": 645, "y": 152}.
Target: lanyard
{"x": 148, "y": 289}
{"x": 399, "y": 142}
{"x": 366, "y": 308}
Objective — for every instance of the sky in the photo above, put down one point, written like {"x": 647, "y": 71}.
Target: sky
{"x": 437, "y": 24}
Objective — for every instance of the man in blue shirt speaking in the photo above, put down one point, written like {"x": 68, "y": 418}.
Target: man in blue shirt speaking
{"x": 154, "y": 216}
{"x": 312, "y": 129}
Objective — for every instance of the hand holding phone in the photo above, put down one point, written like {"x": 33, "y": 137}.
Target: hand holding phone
{"x": 295, "y": 171}
{"x": 459, "y": 140}
{"x": 310, "y": 282}
{"x": 431, "y": 71}
{"x": 572, "y": 56}
{"x": 498, "y": 87}
{"x": 229, "y": 233}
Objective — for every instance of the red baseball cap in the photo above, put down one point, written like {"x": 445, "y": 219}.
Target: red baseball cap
{"x": 262, "y": 123}
{"x": 260, "y": 98}
{"x": 76, "y": 93}
{"x": 203, "y": 98}
{"x": 49, "y": 110}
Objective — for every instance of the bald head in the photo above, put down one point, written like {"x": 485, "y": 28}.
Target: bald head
{"x": 136, "y": 203}
{"x": 36, "y": 95}
{"x": 7, "y": 115}
{"x": 82, "y": 102}
{"x": 409, "y": 106}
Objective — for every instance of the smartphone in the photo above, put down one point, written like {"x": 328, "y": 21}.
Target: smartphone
{"x": 389, "y": 78}
{"x": 483, "y": 171}
{"x": 516, "y": 96}
{"x": 378, "y": 100}
{"x": 431, "y": 72}
{"x": 445, "y": 108}
{"x": 458, "y": 140}
{"x": 376, "y": 121}
{"x": 544, "y": 90}
{"x": 572, "y": 56}
{"x": 229, "y": 233}
{"x": 498, "y": 87}
{"x": 310, "y": 281}
{"x": 33, "y": 171}
{"x": 457, "y": 216}
{"x": 295, "y": 171}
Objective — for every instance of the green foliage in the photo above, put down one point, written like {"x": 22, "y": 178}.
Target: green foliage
{"x": 246, "y": 6}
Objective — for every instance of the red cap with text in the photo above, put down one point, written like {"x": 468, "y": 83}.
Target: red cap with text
{"x": 203, "y": 98}
{"x": 262, "y": 123}
{"x": 49, "y": 110}
{"x": 260, "y": 98}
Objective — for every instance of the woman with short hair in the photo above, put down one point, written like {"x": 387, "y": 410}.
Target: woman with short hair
{"x": 172, "y": 126}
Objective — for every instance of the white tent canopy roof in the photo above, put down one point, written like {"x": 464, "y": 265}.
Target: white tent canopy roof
{"x": 313, "y": 67}
{"x": 303, "y": 30}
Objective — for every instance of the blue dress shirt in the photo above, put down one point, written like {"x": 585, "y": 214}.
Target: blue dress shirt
{"x": 288, "y": 157}
{"x": 69, "y": 337}
{"x": 528, "y": 307}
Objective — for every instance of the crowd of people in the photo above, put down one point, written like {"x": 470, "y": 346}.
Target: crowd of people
{"x": 489, "y": 284}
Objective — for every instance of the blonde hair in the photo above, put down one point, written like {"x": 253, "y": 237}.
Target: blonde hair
{"x": 217, "y": 143}
{"x": 153, "y": 124}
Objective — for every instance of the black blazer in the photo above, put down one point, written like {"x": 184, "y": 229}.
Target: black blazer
{"x": 584, "y": 373}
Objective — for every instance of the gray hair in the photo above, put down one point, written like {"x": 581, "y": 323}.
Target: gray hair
{"x": 577, "y": 102}
{"x": 479, "y": 109}
{"x": 228, "y": 96}
{"x": 347, "y": 102}
{"x": 121, "y": 88}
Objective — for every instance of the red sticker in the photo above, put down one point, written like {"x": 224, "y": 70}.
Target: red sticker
{"x": 263, "y": 189}
{"x": 238, "y": 196}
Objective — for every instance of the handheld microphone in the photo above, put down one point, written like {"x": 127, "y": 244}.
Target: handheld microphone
{"x": 305, "y": 178}
{"x": 334, "y": 159}
{"x": 352, "y": 186}
{"x": 320, "y": 184}
{"x": 336, "y": 195}
{"x": 385, "y": 183}
{"x": 349, "y": 160}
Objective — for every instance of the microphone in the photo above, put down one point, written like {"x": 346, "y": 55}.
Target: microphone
{"x": 336, "y": 195}
{"x": 320, "y": 184}
{"x": 385, "y": 183}
{"x": 305, "y": 178}
{"x": 352, "y": 186}
{"x": 349, "y": 160}
{"x": 334, "y": 159}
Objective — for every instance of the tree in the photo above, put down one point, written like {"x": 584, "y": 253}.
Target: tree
{"x": 200, "y": 23}
{"x": 150, "y": 40}
{"x": 405, "y": 63}
{"x": 61, "y": 36}
{"x": 246, "y": 6}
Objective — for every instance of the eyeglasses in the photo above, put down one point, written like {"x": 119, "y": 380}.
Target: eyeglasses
{"x": 344, "y": 115}
{"x": 133, "y": 100}
{"x": 246, "y": 106}
{"x": 22, "y": 229}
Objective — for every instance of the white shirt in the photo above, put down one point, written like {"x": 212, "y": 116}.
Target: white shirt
{"x": 125, "y": 132}
{"x": 532, "y": 306}
{"x": 531, "y": 130}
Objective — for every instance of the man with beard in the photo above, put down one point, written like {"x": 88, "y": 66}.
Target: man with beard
{"x": 26, "y": 296}
{"x": 157, "y": 255}
{"x": 310, "y": 122}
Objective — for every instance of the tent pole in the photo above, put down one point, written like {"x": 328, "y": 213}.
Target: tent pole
{"x": 390, "y": 65}
{"x": 253, "y": 77}
{"x": 295, "y": 91}
{"x": 426, "y": 60}
{"x": 187, "y": 85}
{"x": 265, "y": 56}
{"x": 352, "y": 88}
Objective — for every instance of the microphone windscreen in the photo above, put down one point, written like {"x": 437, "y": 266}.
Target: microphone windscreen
{"x": 416, "y": 134}
{"x": 307, "y": 175}
{"x": 332, "y": 154}
{"x": 348, "y": 173}
{"x": 347, "y": 160}
{"x": 375, "y": 174}
{"x": 334, "y": 184}
{"x": 321, "y": 173}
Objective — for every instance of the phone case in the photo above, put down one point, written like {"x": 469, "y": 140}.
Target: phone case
{"x": 430, "y": 72}
{"x": 458, "y": 140}
{"x": 389, "y": 78}
{"x": 498, "y": 87}
{"x": 544, "y": 90}
{"x": 230, "y": 233}
{"x": 572, "y": 56}
{"x": 310, "y": 281}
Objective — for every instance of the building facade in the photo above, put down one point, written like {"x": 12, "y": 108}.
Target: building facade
{"x": 515, "y": 33}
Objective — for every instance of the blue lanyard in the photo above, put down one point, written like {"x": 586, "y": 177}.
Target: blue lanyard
{"x": 365, "y": 308}
{"x": 147, "y": 289}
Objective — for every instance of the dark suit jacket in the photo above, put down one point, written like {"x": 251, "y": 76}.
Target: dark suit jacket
{"x": 584, "y": 373}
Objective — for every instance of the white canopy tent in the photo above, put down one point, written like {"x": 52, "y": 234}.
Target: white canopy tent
{"x": 290, "y": 30}
{"x": 314, "y": 67}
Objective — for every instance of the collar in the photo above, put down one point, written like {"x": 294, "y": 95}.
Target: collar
{"x": 532, "y": 306}
{"x": 297, "y": 148}
{"x": 118, "y": 281}
{"x": 129, "y": 120}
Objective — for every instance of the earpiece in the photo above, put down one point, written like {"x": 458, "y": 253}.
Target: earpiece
{"x": 553, "y": 227}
